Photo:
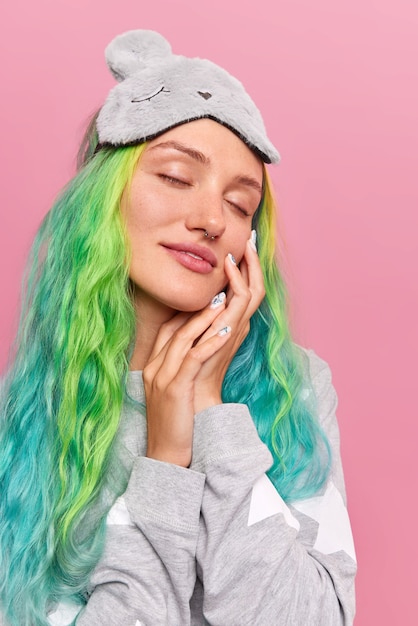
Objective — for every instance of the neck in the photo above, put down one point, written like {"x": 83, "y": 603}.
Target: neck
{"x": 150, "y": 316}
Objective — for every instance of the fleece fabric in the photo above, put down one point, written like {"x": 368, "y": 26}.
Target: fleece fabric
{"x": 215, "y": 544}
{"x": 158, "y": 90}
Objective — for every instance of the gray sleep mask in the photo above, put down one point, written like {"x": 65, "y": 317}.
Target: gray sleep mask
{"x": 158, "y": 90}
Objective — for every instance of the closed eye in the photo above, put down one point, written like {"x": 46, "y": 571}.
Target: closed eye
{"x": 240, "y": 209}
{"x": 174, "y": 181}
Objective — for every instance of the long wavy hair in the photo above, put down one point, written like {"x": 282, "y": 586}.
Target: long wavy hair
{"x": 62, "y": 397}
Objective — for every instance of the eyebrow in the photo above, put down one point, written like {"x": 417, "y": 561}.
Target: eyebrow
{"x": 250, "y": 182}
{"x": 198, "y": 156}
{"x": 191, "y": 152}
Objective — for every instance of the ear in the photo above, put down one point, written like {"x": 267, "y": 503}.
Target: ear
{"x": 135, "y": 50}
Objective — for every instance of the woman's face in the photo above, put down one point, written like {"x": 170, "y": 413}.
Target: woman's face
{"x": 194, "y": 178}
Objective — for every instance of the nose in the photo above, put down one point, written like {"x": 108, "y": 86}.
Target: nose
{"x": 206, "y": 213}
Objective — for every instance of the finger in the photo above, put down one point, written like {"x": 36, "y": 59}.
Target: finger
{"x": 246, "y": 290}
{"x": 255, "y": 275}
{"x": 235, "y": 311}
{"x": 173, "y": 351}
{"x": 238, "y": 287}
{"x": 168, "y": 329}
{"x": 166, "y": 332}
{"x": 200, "y": 353}
{"x": 251, "y": 274}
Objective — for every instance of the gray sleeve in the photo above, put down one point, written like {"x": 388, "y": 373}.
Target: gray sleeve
{"x": 147, "y": 572}
{"x": 262, "y": 562}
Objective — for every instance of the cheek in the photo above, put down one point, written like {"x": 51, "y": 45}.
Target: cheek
{"x": 238, "y": 242}
{"x": 139, "y": 221}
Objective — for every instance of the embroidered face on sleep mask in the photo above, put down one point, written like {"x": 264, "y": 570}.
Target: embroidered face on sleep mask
{"x": 158, "y": 90}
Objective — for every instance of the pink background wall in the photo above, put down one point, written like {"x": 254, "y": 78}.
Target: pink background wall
{"x": 337, "y": 83}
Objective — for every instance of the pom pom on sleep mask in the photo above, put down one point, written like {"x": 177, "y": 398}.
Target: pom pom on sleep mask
{"x": 158, "y": 90}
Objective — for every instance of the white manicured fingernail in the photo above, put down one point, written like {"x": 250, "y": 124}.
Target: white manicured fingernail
{"x": 253, "y": 240}
{"x": 224, "y": 331}
{"x": 232, "y": 258}
{"x": 218, "y": 300}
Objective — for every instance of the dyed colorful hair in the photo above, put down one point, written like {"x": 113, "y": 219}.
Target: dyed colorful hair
{"x": 276, "y": 386}
{"x": 63, "y": 395}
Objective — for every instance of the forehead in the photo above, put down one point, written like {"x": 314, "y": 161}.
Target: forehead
{"x": 210, "y": 144}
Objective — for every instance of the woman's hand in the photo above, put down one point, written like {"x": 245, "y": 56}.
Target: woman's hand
{"x": 191, "y": 354}
{"x": 245, "y": 293}
{"x": 169, "y": 377}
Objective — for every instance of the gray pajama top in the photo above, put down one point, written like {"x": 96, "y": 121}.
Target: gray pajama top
{"x": 215, "y": 544}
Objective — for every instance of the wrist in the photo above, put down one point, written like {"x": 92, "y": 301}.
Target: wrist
{"x": 205, "y": 402}
{"x": 182, "y": 458}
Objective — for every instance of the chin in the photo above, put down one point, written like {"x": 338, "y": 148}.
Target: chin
{"x": 189, "y": 302}
{"x": 185, "y": 300}
{"x": 191, "y": 305}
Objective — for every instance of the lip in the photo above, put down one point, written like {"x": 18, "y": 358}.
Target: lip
{"x": 182, "y": 253}
{"x": 202, "y": 251}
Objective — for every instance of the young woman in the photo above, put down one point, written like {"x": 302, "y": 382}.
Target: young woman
{"x": 169, "y": 455}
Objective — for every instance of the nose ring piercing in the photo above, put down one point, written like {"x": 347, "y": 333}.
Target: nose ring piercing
{"x": 212, "y": 237}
